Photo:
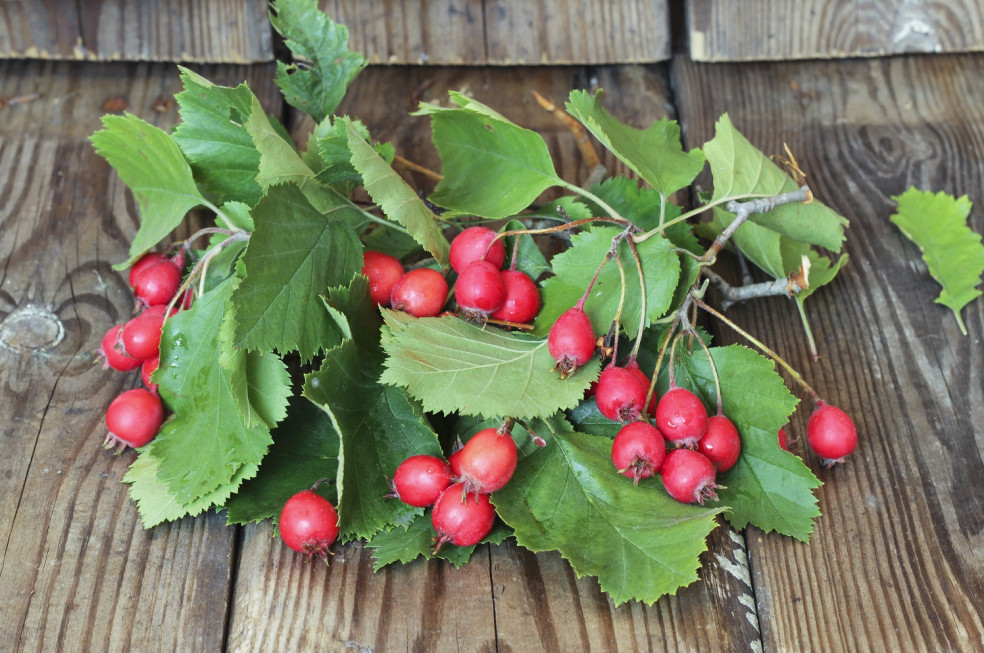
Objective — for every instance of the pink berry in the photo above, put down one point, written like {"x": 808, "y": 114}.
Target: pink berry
{"x": 681, "y": 417}
{"x": 688, "y": 476}
{"x": 420, "y": 292}
{"x": 620, "y": 394}
{"x": 831, "y": 434}
{"x": 419, "y": 480}
{"x": 720, "y": 443}
{"x": 571, "y": 341}
{"x": 309, "y": 524}
{"x": 638, "y": 450}
{"x": 461, "y": 518}
{"x": 479, "y": 289}
{"x": 133, "y": 419}
{"x": 114, "y": 355}
{"x": 470, "y": 245}
{"x": 522, "y": 300}
{"x": 487, "y": 461}
{"x": 157, "y": 283}
{"x": 383, "y": 271}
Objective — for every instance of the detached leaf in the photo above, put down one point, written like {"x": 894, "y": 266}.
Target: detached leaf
{"x": 937, "y": 223}
{"x": 655, "y": 153}
{"x": 156, "y": 172}
{"x": 451, "y": 365}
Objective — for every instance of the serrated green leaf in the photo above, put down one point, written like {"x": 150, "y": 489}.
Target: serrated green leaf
{"x": 451, "y": 365}
{"x": 278, "y": 160}
{"x": 319, "y": 84}
{"x": 575, "y": 267}
{"x": 398, "y": 201}
{"x": 294, "y": 255}
{"x": 655, "y": 153}
{"x": 937, "y": 224}
{"x": 639, "y": 542}
{"x": 490, "y": 166}
{"x": 156, "y": 172}
{"x": 406, "y": 544}
{"x": 738, "y": 168}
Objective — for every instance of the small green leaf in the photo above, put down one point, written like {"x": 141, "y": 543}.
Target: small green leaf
{"x": 937, "y": 223}
{"x": 278, "y": 162}
{"x": 452, "y": 365}
{"x": 407, "y": 543}
{"x": 156, "y": 172}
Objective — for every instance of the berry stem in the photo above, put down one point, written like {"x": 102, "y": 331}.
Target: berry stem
{"x": 710, "y": 360}
{"x": 659, "y": 359}
{"x": 642, "y": 296}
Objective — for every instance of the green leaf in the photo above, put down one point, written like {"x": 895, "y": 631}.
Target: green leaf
{"x": 491, "y": 167}
{"x": 295, "y": 254}
{"x": 318, "y": 85}
{"x": 760, "y": 245}
{"x": 304, "y": 451}
{"x": 208, "y": 440}
{"x": 529, "y": 258}
{"x": 156, "y": 172}
{"x": 739, "y": 169}
{"x": 279, "y": 161}
{"x": 406, "y": 544}
{"x": 937, "y": 224}
{"x": 575, "y": 267}
{"x": 639, "y": 542}
{"x": 213, "y": 137}
{"x": 378, "y": 425}
{"x": 452, "y": 365}
{"x": 655, "y": 153}
{"x": 398, "y": 201}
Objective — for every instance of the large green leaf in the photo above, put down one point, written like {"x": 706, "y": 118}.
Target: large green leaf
{"x": 639, "y": 542}
{"x": 398, "y": 201}
{"x": 655, "y": 153}
{"x": 451, "y": 365}
{"x": 156, "y": 172}
{"x": 937, "y": 223}
{"x": 490, "y": 166}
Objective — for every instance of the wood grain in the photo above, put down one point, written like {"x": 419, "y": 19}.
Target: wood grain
{"x": 721, "y": 30}
{"x": 78, "y": 571}
{"x": 897, "y": 560}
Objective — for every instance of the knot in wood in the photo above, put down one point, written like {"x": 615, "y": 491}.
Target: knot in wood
{"x": 29, "y": 329}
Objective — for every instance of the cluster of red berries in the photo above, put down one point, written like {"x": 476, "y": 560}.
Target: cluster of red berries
{"x": 134, "y": 417}
{"x": 458, "y": 488}
{"x": 482, "y": 290}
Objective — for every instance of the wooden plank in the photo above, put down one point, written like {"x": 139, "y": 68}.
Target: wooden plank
{"x": 506, "y": 598}
{"x": 895, "y": 563}
{"x": 47, "y": 29}
{"x": 78, "y": 571}
{"x": 721, "y": 30}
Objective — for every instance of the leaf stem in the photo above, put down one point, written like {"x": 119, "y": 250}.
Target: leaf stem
{"x": 642, "y": 296}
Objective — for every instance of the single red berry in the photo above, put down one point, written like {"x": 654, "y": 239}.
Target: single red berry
{"x": 143, "y": 263}
{"x": 522, "y": 301}
{"x": 831, "y": 434}
{"x": 461, "y": 518}
{"x": 157, "y": 283}
{"x": 688, "y": 476}
{"x": 681, "y": 417}
{"x": 783, "y": 439}
{"x": 487, "y": 461}
{"x": 620, "y": 394}
{"x": 133, "y": 419}
{"x": 142, "y": 334}
{"x": 419, "y": 480}
{"x": 420, "y": 292}
{"x": 471, "y": 244}
{"x": 147, "y": 368}
{"x": 720, "y": 443}
{"x": 479, "y": 290}
{"x": 454, "y": 461}
{"x": 638, "y": 450}
{"x": 383, "y": 271}
{"x": 113, "y": 353}
{"x": 571, "y": 341}
{"x": 309, "y": 524}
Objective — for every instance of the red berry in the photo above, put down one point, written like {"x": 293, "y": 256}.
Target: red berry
{"x": 147, "y": 368}
{"x": 479, "y": 290}
{"x": 681, "y": 416}
{"x": 620, "y": 394}
{"x": 309, "y": 524}
{"x": 783, "y": 439}
{"x": 571, "y": 341}
{"x": 454, "y": 461}
{"x": 419, "y": 480}
{"x": 143, "y": 263}
{"x": 133, "y": 419}
{"x": 632, "y": 365}
{"x": 157, "y": 283}
{"x": 487, "y": 461}
{"x": 688, "y": 476}
{"x": 720, "y": 443}
{"x": 522, "y": 302}
{"x": 831, "y": 434}
{"x": 461, "y": 519}
{"x": 420, "y": 292}
{"x": 383, "y": 271}
{"x": 638, "y": 450}
{"x": 470, "y": 245}
{"x": 113, "y": 353}
{"x": 142, "y": 335}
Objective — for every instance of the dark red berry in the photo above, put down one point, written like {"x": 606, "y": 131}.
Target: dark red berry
{"x": 620, "y": 394}
{"x": 571, "y": 341}
{"x": 383, "y": 272}
{"x": 420, "y": 292}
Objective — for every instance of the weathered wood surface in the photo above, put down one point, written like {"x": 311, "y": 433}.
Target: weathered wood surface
{"x": 724, "y": 30}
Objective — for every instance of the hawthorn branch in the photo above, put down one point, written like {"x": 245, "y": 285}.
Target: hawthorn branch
{"x": 734, "y": 294}
{"x": 746, "y": 209}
